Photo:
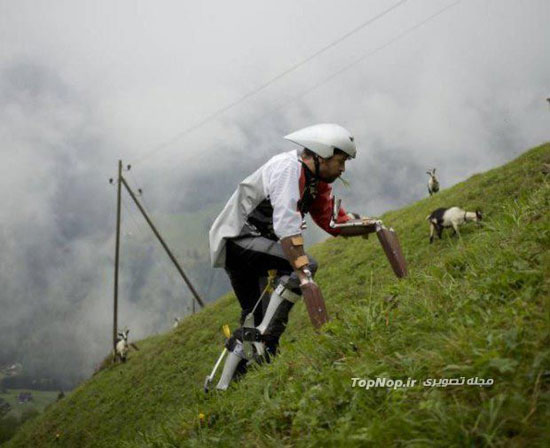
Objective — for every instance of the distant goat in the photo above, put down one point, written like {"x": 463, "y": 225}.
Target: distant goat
{"x": 176, "y": 322}
{"x": 122, "y": 346}
{"x": 433, "y": 182}
{"x": 450, "y": 217}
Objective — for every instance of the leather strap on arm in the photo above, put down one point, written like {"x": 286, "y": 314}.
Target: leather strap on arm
{"x": 293, "y": 248}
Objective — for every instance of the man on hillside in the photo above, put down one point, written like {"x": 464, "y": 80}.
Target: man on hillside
{"x": 260, "y": 229}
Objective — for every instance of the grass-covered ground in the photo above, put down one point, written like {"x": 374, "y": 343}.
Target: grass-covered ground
{"x": 475, "y": 307}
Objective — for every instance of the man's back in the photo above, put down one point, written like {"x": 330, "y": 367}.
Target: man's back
{"x": 276, "y": 180}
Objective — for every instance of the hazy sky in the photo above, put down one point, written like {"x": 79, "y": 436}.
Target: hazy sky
{"x": 84, "y": 83}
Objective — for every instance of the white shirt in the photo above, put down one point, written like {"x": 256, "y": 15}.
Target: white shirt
{"x": 277, "y": 180}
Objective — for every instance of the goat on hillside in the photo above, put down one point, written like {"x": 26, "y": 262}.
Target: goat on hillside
{"x": 450, "y": 217}
{"x": 122, "y": 346}
{"x": 433, "y": 182}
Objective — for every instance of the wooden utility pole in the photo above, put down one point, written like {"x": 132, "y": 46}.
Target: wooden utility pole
{"x": 117, "y": 253}
{"x": 166, "y": 248}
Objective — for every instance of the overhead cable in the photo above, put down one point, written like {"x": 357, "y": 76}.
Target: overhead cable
{"x": 260, "y": 88}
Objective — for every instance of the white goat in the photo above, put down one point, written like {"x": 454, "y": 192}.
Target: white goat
{"x": 433, "y": 182}
{"x": 122, "y": 347}
{"x": 450, "y": 217}
{"x": 176, "y": 322}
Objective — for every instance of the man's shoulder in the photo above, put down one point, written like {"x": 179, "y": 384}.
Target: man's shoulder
{"x": 278, "y": 163}
{"x": 284, "y": 158}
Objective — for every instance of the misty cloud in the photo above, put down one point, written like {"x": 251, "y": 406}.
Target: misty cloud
{"x": 463, "y": 93}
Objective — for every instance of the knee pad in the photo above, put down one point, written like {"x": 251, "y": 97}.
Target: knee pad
{"x": 290, "y": 286}
{"x": 285, "y": 292}
{"x": 313, "y": 266}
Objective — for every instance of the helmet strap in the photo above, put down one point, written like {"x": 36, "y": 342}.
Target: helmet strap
{"x": 316, "y": 162}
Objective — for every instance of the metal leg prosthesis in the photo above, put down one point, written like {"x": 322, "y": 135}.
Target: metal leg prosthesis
{"x": 235, "y": 359}
{"x": 250, "y": 343}
{"x": 276, "y": 317}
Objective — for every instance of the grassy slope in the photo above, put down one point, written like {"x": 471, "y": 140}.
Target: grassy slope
{"x": 476, "y": 307}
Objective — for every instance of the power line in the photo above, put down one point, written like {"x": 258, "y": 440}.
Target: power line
{"x": 361, "y": 59}
{"x": 357, "y": 61}
{"x": 257, "y": 90}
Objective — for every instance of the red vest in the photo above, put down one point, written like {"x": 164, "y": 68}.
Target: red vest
{"x": 321, "y": 208}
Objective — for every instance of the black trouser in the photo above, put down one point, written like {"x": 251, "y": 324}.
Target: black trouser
{"x": 247, "y": 261}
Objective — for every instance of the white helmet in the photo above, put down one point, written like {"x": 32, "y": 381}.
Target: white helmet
{"x": 323, "y": 139}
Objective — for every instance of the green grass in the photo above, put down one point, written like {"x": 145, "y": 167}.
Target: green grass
{"x": 472, "y": 307}
{"x": 41, "y": 399}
